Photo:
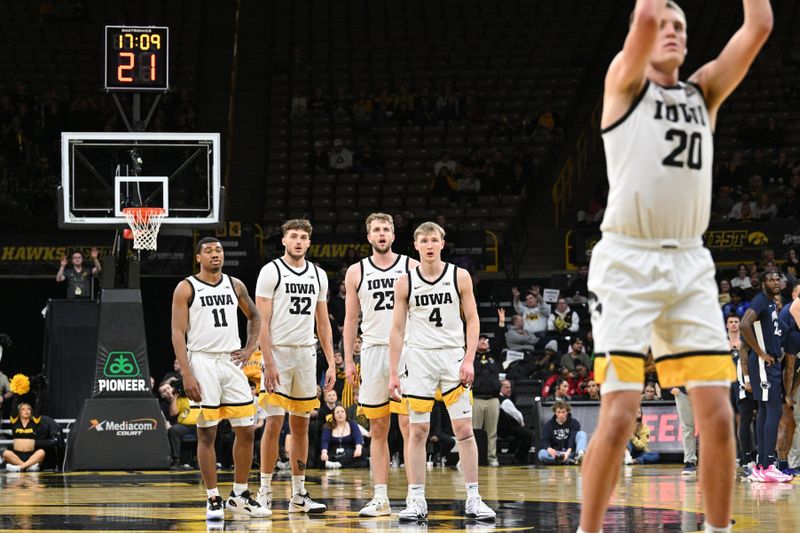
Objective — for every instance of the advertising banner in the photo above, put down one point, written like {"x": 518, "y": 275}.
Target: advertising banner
{"x": 119, "y": 434}
{"x": 662, "y": 419}
{"x": 730, "y": 242}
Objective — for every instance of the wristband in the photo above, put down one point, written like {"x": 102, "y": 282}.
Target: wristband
{"x": 747, "y": 379}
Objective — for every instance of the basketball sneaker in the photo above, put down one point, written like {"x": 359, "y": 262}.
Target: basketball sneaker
{"x": 689, "y": 469}
{"x": 264, "y": 498}
{"x": 301, "y": 502}
{"x": 416, "y": 511}
{"x": 475, "y": 508}
{"x": 773, "y": 475}
{"x": 376, "y": 507}
{"x": 748, "y": 469}
{"x": 757, "y": 474}
{"x": 215, "y": 509}
{"x": 33, "y": 468}
{"x": 244, "y": 505}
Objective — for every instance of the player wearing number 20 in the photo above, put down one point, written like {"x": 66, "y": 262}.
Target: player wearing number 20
{"x": 651, "y": 279}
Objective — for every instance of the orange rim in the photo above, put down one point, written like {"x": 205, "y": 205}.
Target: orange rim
{"x": 143, "y": 214}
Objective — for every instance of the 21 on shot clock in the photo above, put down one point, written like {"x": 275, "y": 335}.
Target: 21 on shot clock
{"x": 137, "y": 58}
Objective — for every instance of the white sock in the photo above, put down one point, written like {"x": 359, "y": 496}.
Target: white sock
{"x": 381, "y": 491}
{"x": 584, "y": 531}
{"x": 239, "y": 488}
{"x": 416, "y": 490}
{"x": 212, "y": 493}
{"x": 708, "y": 528}
{"x": 472, "y": 490}
{"x": 266, "y": 481}
{"x": 298, "y": 484}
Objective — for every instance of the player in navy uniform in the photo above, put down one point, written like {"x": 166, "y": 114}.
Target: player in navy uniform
{"x": 205, "y": 336}
{"x": 651, "y": 279}
{"x": 788, "y": 440}
{"x": 762, "y": 332}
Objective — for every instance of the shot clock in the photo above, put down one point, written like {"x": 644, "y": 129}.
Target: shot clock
{"x": 137, "y": 58}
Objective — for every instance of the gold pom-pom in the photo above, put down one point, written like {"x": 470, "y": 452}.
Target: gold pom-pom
{"x": 20, "y": 384}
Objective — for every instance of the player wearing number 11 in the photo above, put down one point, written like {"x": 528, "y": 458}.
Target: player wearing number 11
{"x": 205, "y": 336}
{"x": 651, "y": 281}
{"x": 291, "y": 294}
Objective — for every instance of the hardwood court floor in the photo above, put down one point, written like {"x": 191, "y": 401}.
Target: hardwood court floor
{"x": 649, "y": 498}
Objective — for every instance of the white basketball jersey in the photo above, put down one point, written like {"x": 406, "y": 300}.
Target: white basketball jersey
{"x": 376, "y": 295}
{"x": 434, "y": 311}
{"x": 659, "y": 157}
{"x": 213, "y": 322}
{"x": 294, "y": 296}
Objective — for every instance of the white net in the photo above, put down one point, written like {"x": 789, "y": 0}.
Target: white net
{"x": 145, "y": 223}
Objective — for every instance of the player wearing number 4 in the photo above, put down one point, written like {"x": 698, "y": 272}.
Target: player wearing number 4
{"x": 205, "y": 336}
{"x": 429, "y": 301}
{"x": 651, "y": 280}
{"x": 291, "y": 294}
{"x": 370, "y": 292}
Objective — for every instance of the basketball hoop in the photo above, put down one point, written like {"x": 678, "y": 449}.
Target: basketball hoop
{"x": 144, "y": 222}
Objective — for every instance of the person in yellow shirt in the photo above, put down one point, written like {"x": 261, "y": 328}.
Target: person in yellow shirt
{"x": 637, "y": 451}
{"x": 186, "y": 423}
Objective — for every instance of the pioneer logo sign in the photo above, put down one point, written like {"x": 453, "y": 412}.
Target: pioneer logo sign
{"x": 125, "y": 428}
{"x": 121, "y": 373}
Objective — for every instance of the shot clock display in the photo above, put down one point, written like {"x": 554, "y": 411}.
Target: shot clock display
{"x": 137, "y": 58}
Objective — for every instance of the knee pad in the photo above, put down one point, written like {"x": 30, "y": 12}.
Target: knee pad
{"x": 419, "y": 417}
{"x": 274, "y": 410}
{"x": 462, "y": 408}
{"x": 243, "y": 421}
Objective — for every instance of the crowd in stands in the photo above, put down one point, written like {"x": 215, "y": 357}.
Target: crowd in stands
{"x": 31, "y": 122}
{"x": 398, "y": 105}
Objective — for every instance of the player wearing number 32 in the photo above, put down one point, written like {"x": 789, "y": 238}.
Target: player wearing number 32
{"x": 429, "y": 301}
{"x": 291, "y": 294}
{"x": 205, "y": 336}
{"x": 651, "y": 279}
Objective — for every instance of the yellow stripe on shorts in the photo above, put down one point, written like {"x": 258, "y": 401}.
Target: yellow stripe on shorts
{"x": 221, "y": 412}
{"x": 398, "y": 407}
{"x": 450, "y": 397}
{"x": 677, "y": 369}
{"x": 375, "y": 411}
{"x": 629, "y": 366}
{"x": 419, "y": 404}
{"x": 295, "y": 405}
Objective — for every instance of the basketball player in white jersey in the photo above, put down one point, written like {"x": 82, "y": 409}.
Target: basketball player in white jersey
{"x": 291, "y": 294}
{"x": 429, "y": 301}
{"x": 370, "y": 291}
{"x": 205, "y": 336}
{"x": 652, "y": 280}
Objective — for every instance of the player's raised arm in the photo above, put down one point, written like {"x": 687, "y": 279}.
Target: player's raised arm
{"x": 627, "y": 70}
{"x": 721, "y": 76}
{"x": 248, "y": 307}
{"x": 470, "y": 310}
{"x": 180, "y": 325}
{"x": 397, "y": 333}
{"x": 352, "y": 308}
